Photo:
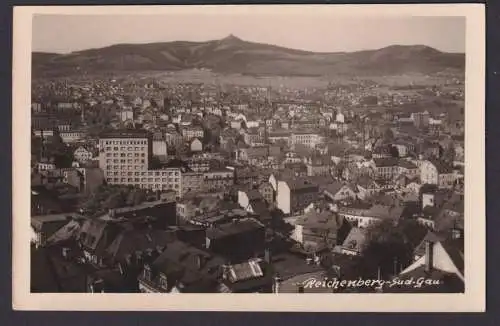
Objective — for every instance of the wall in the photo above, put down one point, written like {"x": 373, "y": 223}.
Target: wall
{"x": 283, "y": 197}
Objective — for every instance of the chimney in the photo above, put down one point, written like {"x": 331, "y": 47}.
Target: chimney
{"x": 199, "y": 261}
{"x": 121, "y": 269}
{"x": 267, "y": 255}
{"x": 160, "y": 249}
{"x": 276, "y": 283}
{"x": 429, "y": 256}
{"x": 225, "y": 271}
{"x": 128, "y": 259}
{"x": 97, "y": 286}
{"x": 65, "y": 252}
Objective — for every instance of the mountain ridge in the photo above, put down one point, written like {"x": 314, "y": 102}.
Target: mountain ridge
{"x": 234, "y": 55}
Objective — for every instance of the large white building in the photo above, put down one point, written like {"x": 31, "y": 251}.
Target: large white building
{"x": 124, "y": 158}
{"x": 309, "y": 139}
{"x": 437, "y": 173}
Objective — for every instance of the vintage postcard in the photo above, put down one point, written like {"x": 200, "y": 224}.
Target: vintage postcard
{"x": 249, "y": 158}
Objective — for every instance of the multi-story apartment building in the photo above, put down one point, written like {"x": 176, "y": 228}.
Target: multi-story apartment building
{"x": 218, "y": 179}
{"x": 123, "y": 151}
{"x": 124, "y": 158}
{"x": 295, "y": 194}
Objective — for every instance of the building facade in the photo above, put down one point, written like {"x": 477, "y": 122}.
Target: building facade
{"x": 124, "y": 158}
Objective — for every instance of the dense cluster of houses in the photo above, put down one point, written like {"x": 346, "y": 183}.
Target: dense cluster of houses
{"x": 250, "y": 194}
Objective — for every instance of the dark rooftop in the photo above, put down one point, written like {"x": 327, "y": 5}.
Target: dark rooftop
{"x": 125, "y": 133}
{"x": 233, "y": 228}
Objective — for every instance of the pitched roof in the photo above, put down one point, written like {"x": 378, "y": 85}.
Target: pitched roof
{"x": 407, "y": 164}
{"x": 386, "y": 162}
{"x": 253, "y": 194}
{"x": 334, "y": 188}
{"x": 455, "y": 250}
{"x": 39, "y": 221}
{"x": 96, "y": 235}
{"x": 125, "y": 133}
{"x": 66, "y": 232}
{"x": 442, "y": 167}
{"x": 299, "y": 184}
{"x": 366, "y": 181}
{"x": 245, "y": 271}
{"x": 260, "y": 208}
{"x": 179, "y": 261}
{"x": 130, "y": 241}
{"x": 355, "y": 240}
{"x": 233, "y": 228}
{"x": 326, "y": 220}
{"x": 429, "y": 237}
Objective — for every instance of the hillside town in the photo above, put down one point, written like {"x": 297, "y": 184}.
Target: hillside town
{"x": 139, "y": 185}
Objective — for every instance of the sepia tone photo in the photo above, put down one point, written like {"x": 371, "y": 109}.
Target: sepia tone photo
{"x": 267, "y": 151}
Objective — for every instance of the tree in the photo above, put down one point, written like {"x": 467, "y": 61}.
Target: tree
{"x": 155, "y": 162}
{"x": 388, "y": 134}
{"x": 135, "y": 197}
{"x": 114, "y": 201}
{"x": 388, "y": 247}
{"x": 393, "y": 151}
{"x": 278, "y": 223}
{"x": 106, "y": 197}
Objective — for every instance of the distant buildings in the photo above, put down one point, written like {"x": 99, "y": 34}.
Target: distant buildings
{"x": 279, "y": 191}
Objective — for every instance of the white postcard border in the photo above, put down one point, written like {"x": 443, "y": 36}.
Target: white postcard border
{"x": 472, "y": 301}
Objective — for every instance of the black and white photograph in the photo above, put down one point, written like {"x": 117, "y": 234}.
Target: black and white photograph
{"x": 240, "y": 151}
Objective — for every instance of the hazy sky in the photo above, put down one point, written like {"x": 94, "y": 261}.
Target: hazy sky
{"x": 66, "y": 33}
